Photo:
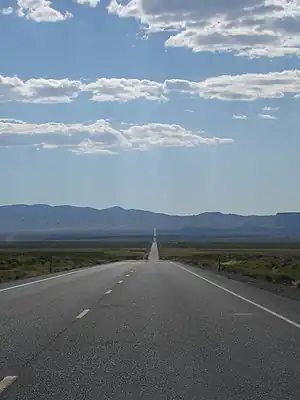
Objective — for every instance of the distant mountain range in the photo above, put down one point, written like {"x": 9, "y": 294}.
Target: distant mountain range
{"x": 68, "y": 221}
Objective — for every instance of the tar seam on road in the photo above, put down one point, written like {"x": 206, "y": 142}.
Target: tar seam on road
{"x": 83, "y": 314}
{"x": 241, "y": 314}
{"x": 241, "y": 297}
{"x": 6, "y": 382}
{"x": 108, "y": 292}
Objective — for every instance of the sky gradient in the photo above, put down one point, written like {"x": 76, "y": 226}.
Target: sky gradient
{"x": 170, "y": 106}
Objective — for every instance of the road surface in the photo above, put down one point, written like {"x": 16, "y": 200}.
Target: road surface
{"x": 147, "y": 330}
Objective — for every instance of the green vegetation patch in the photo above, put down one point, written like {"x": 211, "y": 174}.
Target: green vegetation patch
{"x": 273, "y": 262}
{"x": 20, "y": 262}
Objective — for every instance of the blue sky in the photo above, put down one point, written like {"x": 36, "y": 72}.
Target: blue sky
{"x": 170, "y": 106}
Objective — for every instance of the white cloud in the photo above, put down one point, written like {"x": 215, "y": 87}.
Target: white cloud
{"x": 41, "y": 90}
{"x": 43, "y": 10}
{"x": 38, "y": 90}
{"x": 297, "y": 96}
{"x": 250, "y": 28}
{"x": 270, "y": 109}
{"x": 239, "y": 116}
{"x": 6, "y": 11}
{"x": 246, "y": 87}
{"x": 189, "y": 111}
{"x": 40, "y": 11}
{"x": 267, "y": 116}
{"x": 91, "y": 3}
{"x": 124, "y": 90}
{"x": 164, "y": 135}
{"x": 100, "y": 136}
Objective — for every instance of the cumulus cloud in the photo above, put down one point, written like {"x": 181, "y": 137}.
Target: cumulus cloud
{"x": 38, "y": 90}
{"x": 91, "y": 3}
{"x": 246, "y": 87}
{"x": 6, "y": 11}
{"x": 251, "y": 28}
{"x": 124, "y": 90}
{"x": 100, "y": 136}
{"x": 40, "y": 11}
{"x": 41, "y": 90}
{"x": 43, "y": 10}
{"x": 239, "y": 116}
{"x": 267, "y": 116}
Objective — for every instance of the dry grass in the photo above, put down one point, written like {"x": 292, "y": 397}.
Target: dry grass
{"x": 32, "y": 260}
{"x": 275, "y": 263}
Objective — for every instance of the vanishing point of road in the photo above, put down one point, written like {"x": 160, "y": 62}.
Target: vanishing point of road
{"x": 147, "y": 330}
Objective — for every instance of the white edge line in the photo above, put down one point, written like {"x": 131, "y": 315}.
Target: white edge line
{"x": 40, "y": 281}
{"x": 6, "y": 382}
{"x": 83, "y": 314}
{"x": 241, "y": 297}
{"x": 54, "y": 277}
{"x": 108, "y": 292}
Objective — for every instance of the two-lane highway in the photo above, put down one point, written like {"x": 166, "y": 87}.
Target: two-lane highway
{"x": 148, "y": 330}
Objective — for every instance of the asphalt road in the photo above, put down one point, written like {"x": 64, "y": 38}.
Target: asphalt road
{"x": 147, "y": 330}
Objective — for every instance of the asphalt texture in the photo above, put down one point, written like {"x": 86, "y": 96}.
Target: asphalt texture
{"x": 148, "y": 330}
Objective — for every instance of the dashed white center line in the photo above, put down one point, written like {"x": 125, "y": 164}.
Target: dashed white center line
{"x": 108, "y": 292}
{"x": 82, "y": 314}
{"x": 6, "y": 382}
{"x": 121, "y": 281}
{"x": 127, "y": 275}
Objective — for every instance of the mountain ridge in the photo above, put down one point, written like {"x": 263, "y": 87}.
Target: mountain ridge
{"x": 42, "y": 217}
